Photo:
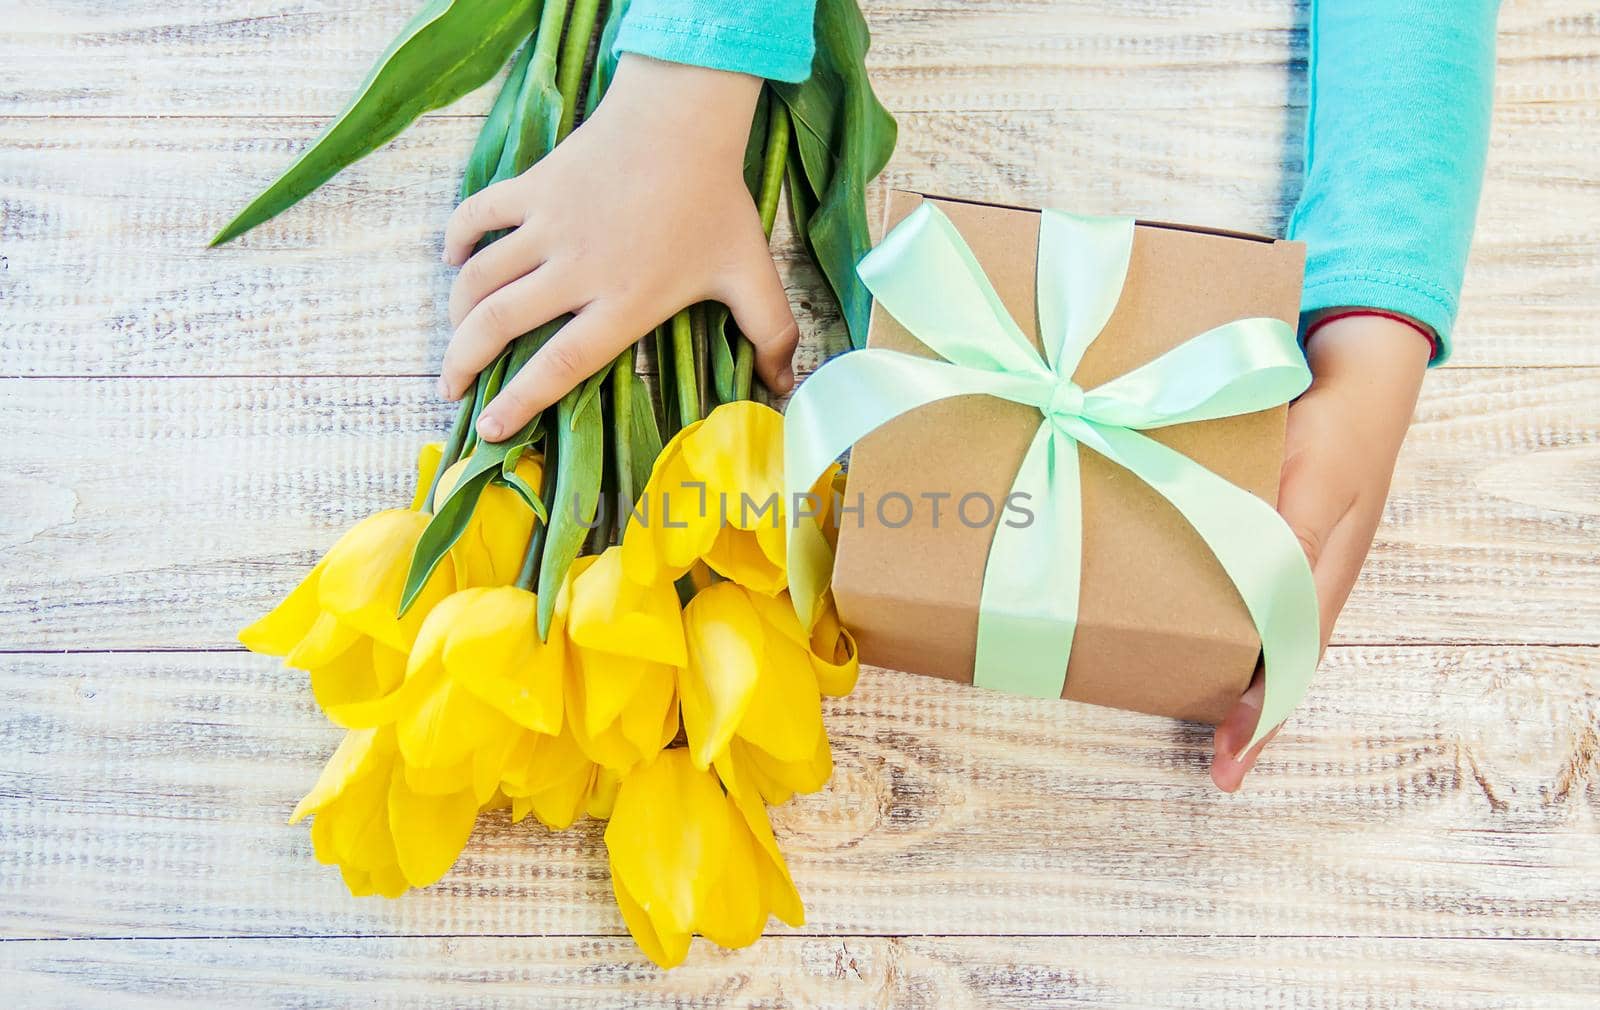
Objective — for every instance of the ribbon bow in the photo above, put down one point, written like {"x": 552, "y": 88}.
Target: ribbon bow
{"x": 924, "y": 275}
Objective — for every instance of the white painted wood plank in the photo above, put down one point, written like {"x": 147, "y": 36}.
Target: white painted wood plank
{"x": 102, "y": 228}
{"x": 304, "y": 57}
{"x": 156, "y": 513}
{"x": 1421, "y": 792}
{"x": 903, "y": 973}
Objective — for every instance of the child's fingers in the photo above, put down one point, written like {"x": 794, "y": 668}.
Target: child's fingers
{"x": 491, "y": 269}
{"x": 577, "y": 351}
{"x": 1228, "y": 766}
{"x": 528, "y": 302}
{"x": 760, "y": 307}
{"x": 490, "y": 208}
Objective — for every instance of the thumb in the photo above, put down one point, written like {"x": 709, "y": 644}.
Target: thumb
{"x": 1315, "y": 506}
{"x": 760, "y": 307}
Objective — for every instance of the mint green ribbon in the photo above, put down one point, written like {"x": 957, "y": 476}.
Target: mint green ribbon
{"x": 924, "y": 275}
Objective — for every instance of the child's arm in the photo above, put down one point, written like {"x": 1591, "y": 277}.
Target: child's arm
{"x": 1397, "y": 130}
{"x": 641, "y": 212}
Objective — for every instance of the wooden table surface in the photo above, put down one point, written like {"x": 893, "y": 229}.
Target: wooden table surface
{"x": 183, "y": 431}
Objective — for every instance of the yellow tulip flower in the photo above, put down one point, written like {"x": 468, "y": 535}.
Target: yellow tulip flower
{"x": 340, "y": 622}
{"x": 551, "y": 777}
{"x": 335, "y": 623}
{"x": 383, "y": 836}
{"x": 687, "y": 858}
{"x": 477, "y": 682}
{"x": 627, "y": 644}
{"x": 746, "y": 677}
{"x": 714, "y": 494}
{"x": 491, "y": 547}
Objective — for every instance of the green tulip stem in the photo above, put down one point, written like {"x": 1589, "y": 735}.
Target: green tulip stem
{"x": 569, "y": 72}
{"x": 622, "y": 392}
{"x": 547, "y": 42}
{"x": 700, "y": 330}
{"x": 453, "y": 445}
{"x": 528, "y": 576}
{"x": 775, "y": 161}
{"x": 683, "y": 368}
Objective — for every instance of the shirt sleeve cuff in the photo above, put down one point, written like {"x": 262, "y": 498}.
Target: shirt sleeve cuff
{"x": 1407, "y": 295}
{"x": 717, "y": 46}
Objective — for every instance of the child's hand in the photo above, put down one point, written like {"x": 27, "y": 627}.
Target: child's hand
{"x": 1344, "y": 434}
{"x": 641, "y": 212}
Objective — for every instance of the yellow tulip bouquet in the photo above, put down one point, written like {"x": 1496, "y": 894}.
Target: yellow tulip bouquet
{"x": 505, "y": 643}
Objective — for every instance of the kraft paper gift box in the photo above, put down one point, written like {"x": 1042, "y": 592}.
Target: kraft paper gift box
{"x": 1161, "y": 628}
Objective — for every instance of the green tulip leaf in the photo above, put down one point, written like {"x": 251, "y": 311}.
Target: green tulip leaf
{"x": 844, "y": 137}
{"x": 529, "y": 494}
{"x": 450, "y": 48}
{"x": 487, "y": 462}
{"x": 579, "y": 459}
{"x": 485, "y": 157}
{"x": 536, "y": 119}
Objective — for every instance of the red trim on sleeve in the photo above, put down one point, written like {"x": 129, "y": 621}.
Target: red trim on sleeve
{"x": 1427, "y": 334}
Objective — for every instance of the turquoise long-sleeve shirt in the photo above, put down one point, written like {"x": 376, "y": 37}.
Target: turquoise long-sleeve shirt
{"x": 1396, "y": 134}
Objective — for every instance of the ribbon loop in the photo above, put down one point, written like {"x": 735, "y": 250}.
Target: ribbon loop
{"x": 924, "y": 274}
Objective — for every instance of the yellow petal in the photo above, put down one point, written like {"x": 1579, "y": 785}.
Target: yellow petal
{"x": 452, "y": 477}
{"x": 668, "y": 949}
{"x": 388, "y": 666}
{"x": 424, "y": 668}
{"x": 833, "y": 653}
{"x": 608, "y": 684}
{"x": 361, "y": 836}
{"x": 366, "y": 573}
{"x": 603, "y": 793}
{"x": 550, "y": 775}
{"x": 733, "y": 913}
{"x": 428, "y": 460}
{"x": 323, "y": 644}
{"x": 503, "y": 522}
{"x": 357, "y": 882}
{"x": 357, "y": 755}
{"x": 739, "y": 449}
{"x": 493, "y": 650}
{"x": 429, "y": 831}
{"x": 778, "y": 890}
{"x": 779, "y": 780}
{"x": 389, "y": 881}
{"x": 785, "y": 713}
{"x": 277, "y": 633}
{"x": 445, "y": 728}
{"x": 609, "y": 612}
{"x": 439, "y": 781}
{"x": 652, "y": 706}
{"x": 675, "y": 522}
{"x": 349, "y": 678}
{"x": 777, "y": 613}
{"x": 829, "y": 495}
{"x": 739, "y": 555}
{"x": 668, "y": 838}
{"x": 560, "y": 803}
{"x": 725, "y": 637}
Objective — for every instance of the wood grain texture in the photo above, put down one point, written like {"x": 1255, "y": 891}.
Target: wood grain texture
{"x": 68, "y": 58}
{"x": 822, "y": 973}
{"x": 105, "y": 272}
{"x": 182, "y": 508}
{"x": 1422, "y": 835}
{"x": 1427, "y": 791}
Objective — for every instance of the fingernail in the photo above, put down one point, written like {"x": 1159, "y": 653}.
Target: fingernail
{"x": 786, "y": 379}
{"x": 490, "y": 428}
